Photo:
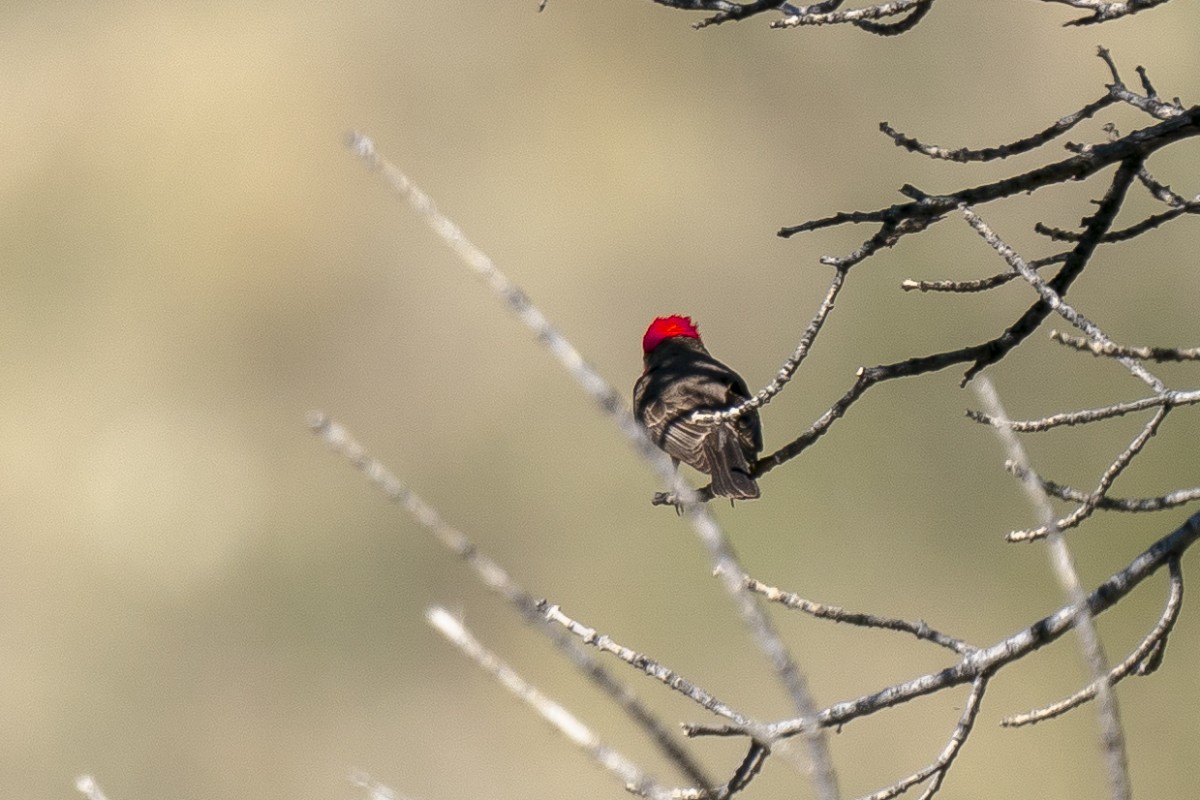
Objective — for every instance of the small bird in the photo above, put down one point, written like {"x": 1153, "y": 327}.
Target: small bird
{"x": 680, "y": 378}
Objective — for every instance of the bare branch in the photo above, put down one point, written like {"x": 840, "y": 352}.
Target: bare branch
{"x": 854, "y": 16}
{"x": 918, "y": 629}
{"x": 656, "y": 670}
{"x": 789, "y": 366}
{"x": 988, "y": 660}
{"x": 1129, "y": 151}
{"x": 1125, "y": 234}
{"x": 1103, "y": 11}
{"x": 964, "y": 155}
{"x": 868, "y": 18}
{"x": 1149, "y": 102}
{"x": 1144, "y": 659}
{"x": 981, "y": 285}
{"x": 1168, "y": 399}
{"x": 1112, "y": 350}
{"x": 1051, "y": 292}
{"x": 727, "y": 11}
{"x": 1172, "y": 499}
{"x": 633, "y": 777}
{"x": 929, "y": 208}
{"x": 900, "y": 26}
{"x": 496, "y": 579}
{"x": 1163, "y": 193}
{"x": 1092, "y": 502}
{"x": 988, "y": 352}
{"x": 1112, "y": 736}
{"x": 941, "y": 765}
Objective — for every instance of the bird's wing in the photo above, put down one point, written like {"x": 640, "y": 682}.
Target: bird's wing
{"x": 681, "y": 439}
{"x": 664, "y": 405}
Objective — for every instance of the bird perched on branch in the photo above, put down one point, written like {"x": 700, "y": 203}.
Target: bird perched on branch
{"x": 681, "y": 378}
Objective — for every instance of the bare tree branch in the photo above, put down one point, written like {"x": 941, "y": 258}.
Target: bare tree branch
{"x": 1169, "y": 399}
{"x": 635, "y": 779}
{"x": 981, "y": 285}
{"x": 789, "y": 366}
{"x": 918, "y": 629}
{"x": 988, "y": 660}
{"x": 1112, "y": 350}
{"x": 1112, "y": 737}
{"x": 1103, "y": 11}
{"x": 1162, "y": 502}
{"x": 1088, "y": 506}
{"x": 1137, "y": 146}
{"x": 868, "y": 18}
{"x": 495, "y": 578}
{"x": 1144, "y": 659}
{"x": 941, "y": 765}
{"x": 1052, "y": 291}
{"x": 964, "y": 155}
{"x": 661, "y": 673}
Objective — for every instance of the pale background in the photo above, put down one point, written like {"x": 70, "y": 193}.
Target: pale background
{"x": 198, "y": 601}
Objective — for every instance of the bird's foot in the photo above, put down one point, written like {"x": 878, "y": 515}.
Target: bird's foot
{"x": 667, "y": 499}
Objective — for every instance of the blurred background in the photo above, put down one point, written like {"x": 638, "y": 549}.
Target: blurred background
{"x": 198, "y": 600}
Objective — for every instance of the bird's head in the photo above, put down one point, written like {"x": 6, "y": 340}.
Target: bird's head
{"x": 667, "y": 327}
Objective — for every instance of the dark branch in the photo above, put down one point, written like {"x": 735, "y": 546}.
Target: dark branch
{"x": 1136, "y": 146}
{"x": 963, "y": 154}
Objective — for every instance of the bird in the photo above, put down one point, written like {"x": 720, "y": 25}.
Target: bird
{"x": 679, "y": 378}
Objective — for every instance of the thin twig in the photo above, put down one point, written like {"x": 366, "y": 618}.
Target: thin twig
{"x": 1137, "y": 145}
{"x": 1051, "y": 292}
{"x": 751, "y": 765}
{"x": 986, "y": 660}
{"x": 1112, "y": 736}
{"x": 1110, "y": 475}
{"x": 631, "y": 775}
{"x": 1085, "y": 416}
{"x": 1171, "y": 499}
{"x": 1149, "y": 102}
{"x": 903, "y": 25}
{"x": 918, "y": 629}
{"x": 1113, "y": 350}
{"x": 789, "y": 366}
{"x": 964, "y": 155}
{"x": 728, "y": 12}
{"x": 853, "y": 16}
{"x": 1125, "y": 234}
{"x": 496, "y": 579}
{"x": 1106, "y": 11}
{"x": 980, "y": 285}
{"x": 656, "y": 670}
{"x": 1144, "y": 659}
{"x": 941, "y": 765}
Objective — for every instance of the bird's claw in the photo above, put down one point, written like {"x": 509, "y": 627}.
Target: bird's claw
{"x": 667, "y": 499}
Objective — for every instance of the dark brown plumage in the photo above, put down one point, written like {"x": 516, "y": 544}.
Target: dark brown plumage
{"x": 680, "y": 378}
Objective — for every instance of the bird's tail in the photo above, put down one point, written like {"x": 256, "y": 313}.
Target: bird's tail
{"x": 730, "y": 469}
